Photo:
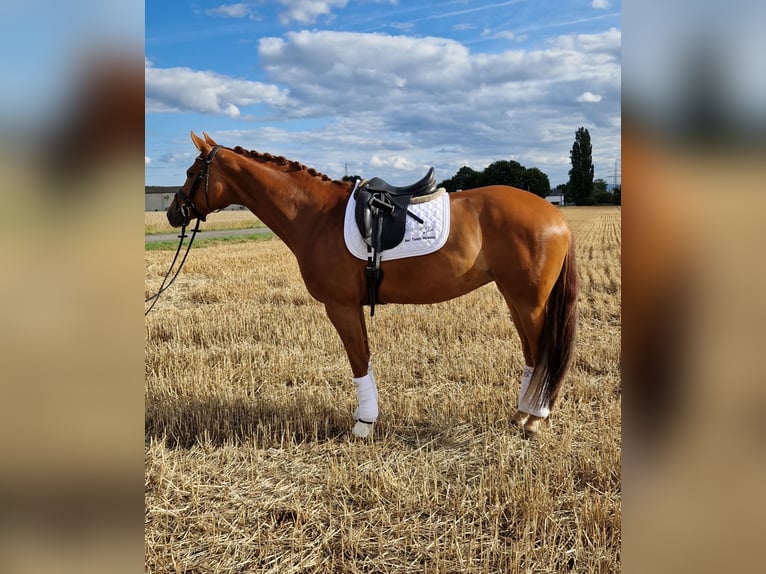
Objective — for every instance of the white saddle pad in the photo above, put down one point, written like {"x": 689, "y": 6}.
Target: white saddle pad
{"x": 419, "y": 238}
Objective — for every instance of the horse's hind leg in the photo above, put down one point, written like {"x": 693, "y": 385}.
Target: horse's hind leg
{"x": 528, "y": 325}
{"x": 519, "y": 417}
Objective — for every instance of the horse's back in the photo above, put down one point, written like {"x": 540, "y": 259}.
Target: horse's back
{"x": 496, "y": 233}
{"x": 512, "y": 205}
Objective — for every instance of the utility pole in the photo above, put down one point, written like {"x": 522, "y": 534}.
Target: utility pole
{"x": 616, "y": 173}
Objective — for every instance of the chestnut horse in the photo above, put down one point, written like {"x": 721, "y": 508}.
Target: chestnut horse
{"x": 498, "y": 233}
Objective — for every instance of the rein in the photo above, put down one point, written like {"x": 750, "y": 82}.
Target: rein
{"x": 163, "y": 287}
{"x": 188, "y": 211}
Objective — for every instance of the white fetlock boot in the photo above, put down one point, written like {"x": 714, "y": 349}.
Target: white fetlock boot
{"x": 529, "y": 414}
{"x": 367, "y": 412}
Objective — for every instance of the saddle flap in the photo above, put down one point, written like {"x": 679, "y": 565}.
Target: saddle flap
{"x": 394, "y": 224}
{"x": 363, "y": 214}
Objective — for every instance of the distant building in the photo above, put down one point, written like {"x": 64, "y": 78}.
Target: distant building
{"x": 555, "y": 199}
{"x": 159, "y": 198}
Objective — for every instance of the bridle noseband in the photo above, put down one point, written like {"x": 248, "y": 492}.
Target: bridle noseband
{"x": 186, "y": 206}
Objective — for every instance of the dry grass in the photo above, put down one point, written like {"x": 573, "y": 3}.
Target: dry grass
{"x": 250, "y": 466}
{"x": 157, "y": 221}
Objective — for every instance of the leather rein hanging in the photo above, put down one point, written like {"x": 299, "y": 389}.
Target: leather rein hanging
{"x": 188, "y": 210}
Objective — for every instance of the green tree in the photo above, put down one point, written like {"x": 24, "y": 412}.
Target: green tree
{"x": 465, "y": 178}
{"x": 504, "y": 172}
{"x": 581, "y": 175}
{"x": 600, "y": 194}
{"x": 599, "y": 186}
{"x": 537, "y": 182}
{"x": 501, "y": 172}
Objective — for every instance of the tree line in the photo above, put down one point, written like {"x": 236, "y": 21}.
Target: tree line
{"x": 581, "y": 189}
{"x": 501, "y": 172}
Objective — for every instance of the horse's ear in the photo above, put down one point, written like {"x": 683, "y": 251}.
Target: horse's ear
{"x": 200, "y": 144}
{"x": 209, "y": 140}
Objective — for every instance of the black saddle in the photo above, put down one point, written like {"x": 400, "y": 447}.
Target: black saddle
{"x": 423, "y": 187}
{"x": 381, "y": 216}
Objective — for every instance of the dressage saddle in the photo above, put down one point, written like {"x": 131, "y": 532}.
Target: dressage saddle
{"x": 381, "y": 216}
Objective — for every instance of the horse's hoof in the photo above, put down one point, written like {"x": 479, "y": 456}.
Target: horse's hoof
{"x": 362, "y": 430}
{"x": 531, "y": 427}
{"x": 529, "y": 434}
{"x": 519, "y": 419}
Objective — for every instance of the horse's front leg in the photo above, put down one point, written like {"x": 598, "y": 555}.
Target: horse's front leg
{"x": 350, "y": 324}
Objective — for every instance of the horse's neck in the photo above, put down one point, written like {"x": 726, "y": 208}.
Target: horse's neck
{"x": 288, "y": 203}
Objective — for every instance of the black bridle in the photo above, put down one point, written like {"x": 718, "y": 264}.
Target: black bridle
{"x": 188, "y": 210}
{"x": 184, "y": 202}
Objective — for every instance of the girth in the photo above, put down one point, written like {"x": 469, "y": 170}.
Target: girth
{"x": 381, "y": 216}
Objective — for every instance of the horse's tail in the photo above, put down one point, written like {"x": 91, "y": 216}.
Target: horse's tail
{"x": 555, "y": 349}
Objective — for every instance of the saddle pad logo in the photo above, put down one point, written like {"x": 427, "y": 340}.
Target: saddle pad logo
{"x": 419, "y": 238}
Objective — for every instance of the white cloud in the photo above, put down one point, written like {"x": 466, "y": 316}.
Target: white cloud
{"x": 508, "y": 35}
{"x": 396, "y": 161}
{"x": 601, "y": 4}
{"x": 608, "y": 43}
{"x": 356, "y": 69}
{"x": 412, "y": 95}
{"x": 322, "y": 62}
{"x": 307, "y": 11}
{"x": 589, "y": 98}
{"x": 184, "y": 89}
{"x": 182, "y": 158}
{"x": 430, "y": 92}
{"x": 238, "y": 10}
{"x": 391, "y": 104}
{"x": 147, "y": 160}
{"x": 403, "y": 26}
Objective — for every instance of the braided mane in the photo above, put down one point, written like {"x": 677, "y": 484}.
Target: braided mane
{"x": 283, "y": 162}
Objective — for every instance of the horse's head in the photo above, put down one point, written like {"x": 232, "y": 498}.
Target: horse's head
{"x": 201, "y": 193}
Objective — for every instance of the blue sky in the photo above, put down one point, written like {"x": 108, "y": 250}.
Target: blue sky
{"x": 386, "y": 88}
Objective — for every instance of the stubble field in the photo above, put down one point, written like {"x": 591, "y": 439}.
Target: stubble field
{"x": 157, "y": 221}
{"x": 249, "y": 461}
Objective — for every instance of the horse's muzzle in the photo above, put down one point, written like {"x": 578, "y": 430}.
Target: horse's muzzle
{"x": 183, "y": 210}
{"x": 175, "y": 215}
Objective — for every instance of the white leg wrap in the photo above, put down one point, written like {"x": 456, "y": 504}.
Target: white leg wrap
{"x": 525, "y": 405}
{"x": 367, "y": 395}
{"x": 367, "y": 411}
